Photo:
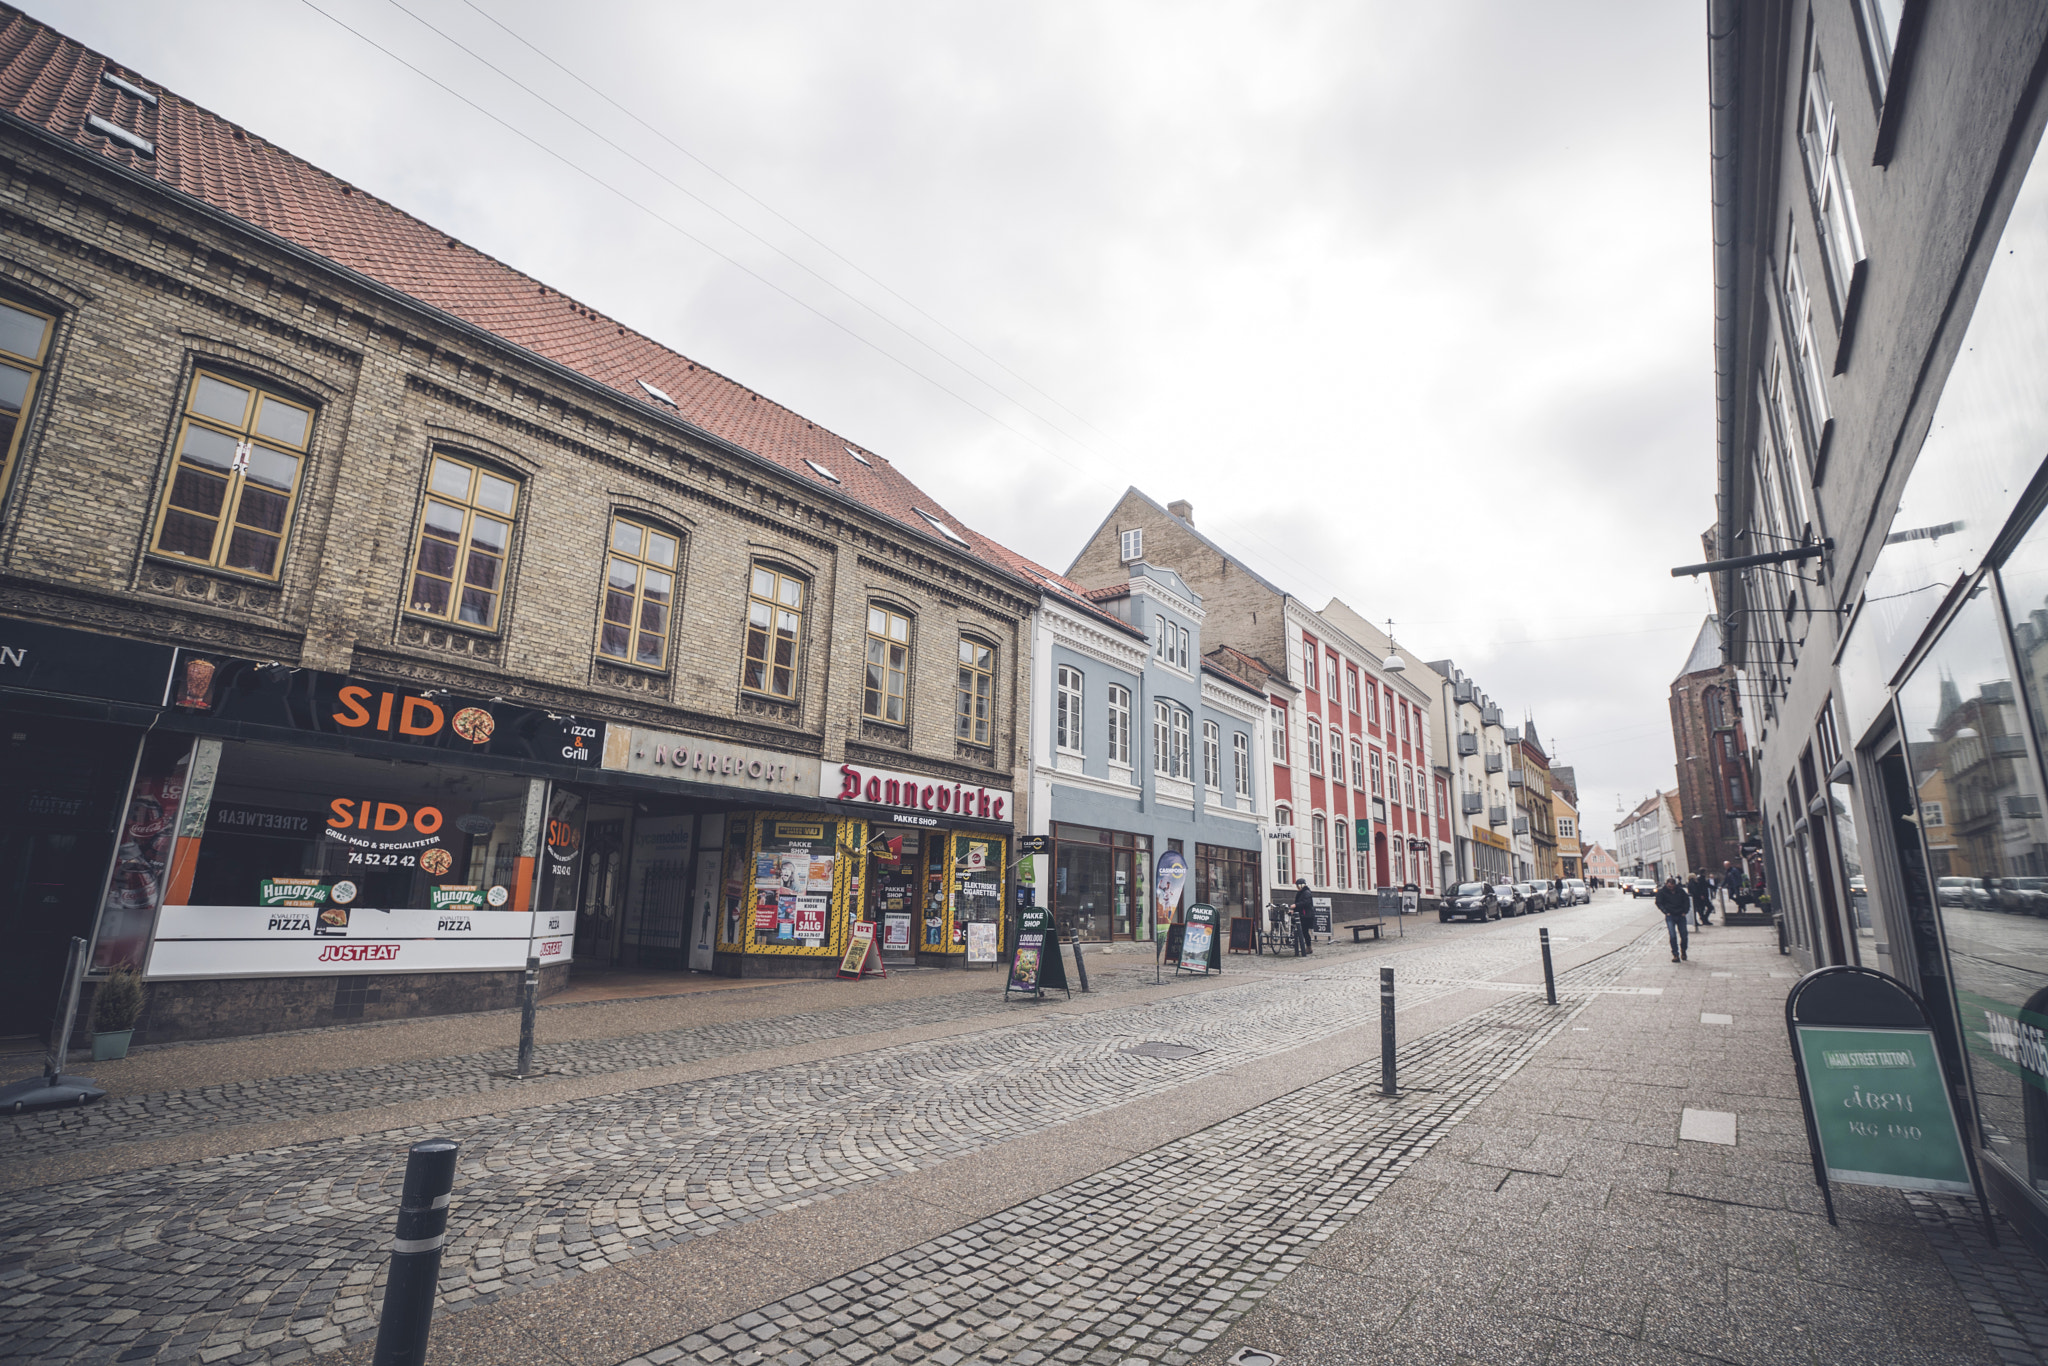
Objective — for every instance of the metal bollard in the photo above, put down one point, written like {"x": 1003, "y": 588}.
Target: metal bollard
{"x": 416, "y": 1253}
{"x": 1386, "y": 1031}
{"x": 1549, "y": 977}
{"x": 1080, "y": 968}
{"x": 526, "y": 1009}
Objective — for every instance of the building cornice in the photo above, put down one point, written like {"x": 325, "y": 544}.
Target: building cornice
{"x": 1075, "y": 632}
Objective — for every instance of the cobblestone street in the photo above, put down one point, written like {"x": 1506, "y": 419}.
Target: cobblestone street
{"x": 1020, "y": 1186}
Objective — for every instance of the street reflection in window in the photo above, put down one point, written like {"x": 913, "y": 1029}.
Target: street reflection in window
{"x": 1967, "y": 747}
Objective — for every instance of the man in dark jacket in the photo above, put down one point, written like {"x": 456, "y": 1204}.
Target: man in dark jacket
{"x": 1702, "y": 893}
{"x": 1672, "y": 900}
{"x": 1304, "y": 917}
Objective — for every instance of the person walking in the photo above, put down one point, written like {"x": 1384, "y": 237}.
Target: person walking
{"x": 1672, "y": 900}
{"x": 1304, "y": 917}
{"x": 1702, "y": 893}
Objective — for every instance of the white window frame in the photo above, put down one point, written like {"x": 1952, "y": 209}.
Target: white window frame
{"x": 1834, "y": 206}
{"x": 1798, "y": 302}
{"x": 1212, "y": 756}
{"x": 1357, "y": 764}
{"x": 1241, "y": 761}
{"x": 1279, "y": 737}
{"x": 1319, "y": 836}
{"x": 1283, "y": 847}
{"x": 1131, "y": 545}
{"x": 1119, "y": 725}
{"x": 1183, "y": 744}
{"x": 1310, "y": 679}
{"x": 1162, "y": 738}
{"x": 1342, "y": 855}
{"x": 1071, "y": 692}
{"x": 1351, "y": 678}
{"x": 1315, "y": 745}
{"x": 1373, "y": 760}
{"x": 1186, "y": 643}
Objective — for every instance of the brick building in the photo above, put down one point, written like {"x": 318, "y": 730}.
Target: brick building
{"x": 403, "y": 617}
{"x": 1352, "y": 786}
{"x": 1714, "y": 787}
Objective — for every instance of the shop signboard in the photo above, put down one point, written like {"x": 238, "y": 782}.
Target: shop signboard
{"x": 284, "y": 891}
{"x": 694, "y": 759}
{"x": 861, "y": 959}
{"x": 290, "y": 941}
{"x": 859, "y": 785}
{"x": 242, "y": 696}
{"x": 1037, "y": 963}
{"x": 1877, "y": 1100}
{"x": 57, "y": 659}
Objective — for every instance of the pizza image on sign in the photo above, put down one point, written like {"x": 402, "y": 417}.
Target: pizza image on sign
{"x": 473, "y": 724}
{"x": 437, "y": 861}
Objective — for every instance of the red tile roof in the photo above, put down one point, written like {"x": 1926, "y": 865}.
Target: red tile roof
{"x": 55, "y": 84}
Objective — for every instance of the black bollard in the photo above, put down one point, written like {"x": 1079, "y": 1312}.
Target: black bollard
{"x": 1549, "y": 977}
{"x": 1080, "y": 968}
{"x": 526, "y": 1009}
{"x": 416, "y": 1253}
{"x": 1386, "y": 1031}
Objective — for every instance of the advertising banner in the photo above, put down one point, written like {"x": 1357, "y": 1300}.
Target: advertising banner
{"x": 1171, "y": 877}
{"x": 266, "y": 941}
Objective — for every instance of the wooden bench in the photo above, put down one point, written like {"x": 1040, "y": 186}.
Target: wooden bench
{"x": 1358, "y": 930}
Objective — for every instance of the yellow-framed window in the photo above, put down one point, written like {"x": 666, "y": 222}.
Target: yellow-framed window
{"x": 639, "y": 594}
{"x": 24, "y": 346}
{"x": 458, "y": 568}
{"x": 240, "y": 456}
{"x": 888, "y": 665}
{"x": 775, "y": 619}
{"x": 974, "y": 698}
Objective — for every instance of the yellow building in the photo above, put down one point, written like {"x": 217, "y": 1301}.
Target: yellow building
{"x": 1566, "y": 817}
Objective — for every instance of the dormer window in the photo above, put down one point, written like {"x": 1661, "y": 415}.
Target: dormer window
{"x": 1131, "y": 545}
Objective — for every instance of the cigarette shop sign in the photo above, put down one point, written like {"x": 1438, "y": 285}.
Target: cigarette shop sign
{"x": 863, "y": 786}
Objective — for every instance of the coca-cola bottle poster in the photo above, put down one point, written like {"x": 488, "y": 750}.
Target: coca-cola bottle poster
{"x": 148, "y": 833}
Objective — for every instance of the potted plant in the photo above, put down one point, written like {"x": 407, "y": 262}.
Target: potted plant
{"x": 116, "y": 1006}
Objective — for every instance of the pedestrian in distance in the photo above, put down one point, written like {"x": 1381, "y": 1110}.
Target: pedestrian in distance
{"x": 1672, "y": 900}
{"x": 1304, "y": 917}
{"x": 1702, "y": 893}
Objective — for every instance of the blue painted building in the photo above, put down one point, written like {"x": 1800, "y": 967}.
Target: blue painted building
{"x": 1140, "y": 746}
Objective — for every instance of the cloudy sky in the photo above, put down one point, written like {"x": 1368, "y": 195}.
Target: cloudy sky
{"x": 1412, "y": 302}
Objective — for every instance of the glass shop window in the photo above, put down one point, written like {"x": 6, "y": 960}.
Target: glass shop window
{"x": 1966, "y": 732}
{"x": 377, "y": 834}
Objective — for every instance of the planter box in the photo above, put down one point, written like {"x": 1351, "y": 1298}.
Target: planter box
{"x": 109, "y": 1044}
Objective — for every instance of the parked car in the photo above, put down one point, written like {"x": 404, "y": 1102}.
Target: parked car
{"x": 1962, "y": 893}
{"x": 1542, "y": 894}
{"x": 1470, "y": 901}
{"x": 1575, "y": 892}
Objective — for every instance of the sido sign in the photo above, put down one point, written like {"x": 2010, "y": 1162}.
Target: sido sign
{"x": 1878, "y": 1108}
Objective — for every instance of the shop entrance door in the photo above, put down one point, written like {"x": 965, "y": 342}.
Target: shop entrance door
{"x": 597, "y": 917}
{"x": 60, "y": 786}
{"x": 1126, "y": 900}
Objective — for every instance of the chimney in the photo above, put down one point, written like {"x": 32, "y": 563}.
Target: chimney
{"x": 1183, "y": 509}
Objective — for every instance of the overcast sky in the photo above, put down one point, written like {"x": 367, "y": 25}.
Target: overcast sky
{"x": 1412, "y": 302}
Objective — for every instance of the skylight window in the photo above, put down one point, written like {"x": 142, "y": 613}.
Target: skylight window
{"x": 130, "y": 87}
{"x": 120, "y": 135}
{"x": 858, "y": 456}
{"x": 941, "y": 527}
{"x": 820, "y": 469}
{"x": 657, "y": 395}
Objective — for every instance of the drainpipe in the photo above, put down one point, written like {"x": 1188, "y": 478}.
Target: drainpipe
{"x": 1724, "y": 87}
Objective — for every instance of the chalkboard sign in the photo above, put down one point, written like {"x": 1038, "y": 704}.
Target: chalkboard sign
{"x": 1037, "y": 963}
{"x": 1243, "y": 934}
{"x": 1201, "y": 949}
{"x": 1319, "y": 922}
{"x": 1390, "y": 901}
{"x": 1878, "y": 1108}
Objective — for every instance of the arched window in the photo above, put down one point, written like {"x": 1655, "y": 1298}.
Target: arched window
{"x": 1119, "y": 725}
{"x": 775, "y": 620}
{"x": 1068, "y": 721}
{"x": 1283, "y": 846}
{"x": 1183, "y": 747}
{"x": 1319, "y": 837}
{"x": 639, "y": 594}
{"x": 1343, "y": 854}
{"x": 883, "y": 697}
{"x": 1241, "y": 754}
{"x": 974, "y": 703}
{"x": 465, "y": 534}
{"x": 1212, "y": 756}
{"x": 1162, "y": 739}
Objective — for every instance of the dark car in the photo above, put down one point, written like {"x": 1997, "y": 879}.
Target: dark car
{"x": 1512, "y": 896}
{"x": 1533, "y": 897}
{"x": 1471, "y": 901}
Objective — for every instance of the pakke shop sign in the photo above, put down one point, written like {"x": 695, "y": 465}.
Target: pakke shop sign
{"x": 865, "y": 786}
{"x": 278, "y": 696}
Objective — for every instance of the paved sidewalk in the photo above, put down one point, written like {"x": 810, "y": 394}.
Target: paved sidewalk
{"x": 1566, "y": 1220}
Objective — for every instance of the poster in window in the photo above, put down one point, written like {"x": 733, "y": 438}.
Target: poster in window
{"x": 981, "y": 942}
{"x": 810, "y": 919}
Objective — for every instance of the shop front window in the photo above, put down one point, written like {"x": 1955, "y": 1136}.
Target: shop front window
{"x": 1967, "y": 735}
{"x": 1101, "y": 882}
{"x": 376, "y": 834}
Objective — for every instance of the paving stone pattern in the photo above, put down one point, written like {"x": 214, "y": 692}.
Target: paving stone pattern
{"x": 167, "y": 1114}
{"x": 272, "y": 1256}
{"x": 2006, "y": 1286}
{"x": 1150, "y": 1260}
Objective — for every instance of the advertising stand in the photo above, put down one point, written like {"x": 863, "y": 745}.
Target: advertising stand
{"x": 1201, "y": 948}
{"x": 1037, "y": 963}
{"x": 1879, "y": 1111}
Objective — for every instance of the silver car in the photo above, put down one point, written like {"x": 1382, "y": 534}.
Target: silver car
{"x": 1574, "y": 892}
